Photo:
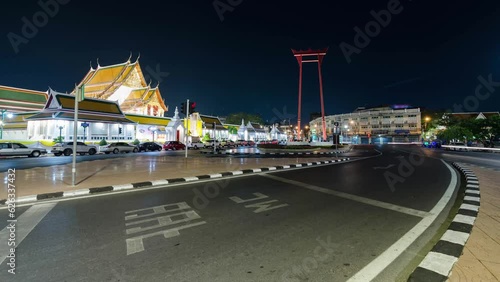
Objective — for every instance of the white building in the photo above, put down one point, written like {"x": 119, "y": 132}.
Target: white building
{"x": 400, "y": 123}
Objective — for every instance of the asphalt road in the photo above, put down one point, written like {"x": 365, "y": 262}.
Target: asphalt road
{"x": 51, "y": 160}
{"x": 318, "y": 224}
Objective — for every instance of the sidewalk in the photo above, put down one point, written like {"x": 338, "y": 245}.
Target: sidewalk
{"x": 126, "y": 170}
{"x": 480, "y": 260}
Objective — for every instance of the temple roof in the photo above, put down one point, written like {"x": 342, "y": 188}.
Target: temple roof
{"x": 61, "y": 106}
{"x": 120, "y": 82}
{"x": 21, "y": 100}
{"x": 141, "y": 119}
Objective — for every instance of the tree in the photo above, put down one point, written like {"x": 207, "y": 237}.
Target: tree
{"x": 103, "y": 142}
{"x": 237, "y": 117}
{"x": 206, "y": 137}
{"x": 456, "y": 132}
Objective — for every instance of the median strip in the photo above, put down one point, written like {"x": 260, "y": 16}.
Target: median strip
{"x": 160, "y": 182}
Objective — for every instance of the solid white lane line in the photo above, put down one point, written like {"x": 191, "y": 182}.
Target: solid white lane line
{"x": 351, "y": 197}
{"x": 24, "y": 225}
{"x": 374, "y": 268}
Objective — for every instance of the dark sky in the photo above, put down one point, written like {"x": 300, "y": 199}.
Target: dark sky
{"x": 429, "y": 55}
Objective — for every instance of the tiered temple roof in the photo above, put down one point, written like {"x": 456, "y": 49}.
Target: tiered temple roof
{"x": 124, "y": 83}
{"x": 19, "y": 100}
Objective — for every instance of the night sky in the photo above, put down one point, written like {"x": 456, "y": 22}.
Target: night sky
{"x": 428, "y": 55}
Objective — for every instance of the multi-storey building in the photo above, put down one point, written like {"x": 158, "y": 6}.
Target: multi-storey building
{"x": 397, "y": 123}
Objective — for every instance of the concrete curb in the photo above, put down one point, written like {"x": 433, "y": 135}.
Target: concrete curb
{"x": 145, "y": 184}
{"x": 438, "y": 263}
{"x": 275, "y": 154}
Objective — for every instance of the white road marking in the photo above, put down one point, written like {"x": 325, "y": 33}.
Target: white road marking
{"x": 128, "y": 188}
{"x": 381, "y": 167}
{"x": 136, "y": 244}
{"x": 238, "y": 200}
{"x": 472, "y": 191}
{"x": 352, "y": 197}
{"x": 265, "y": 206}
{"x": 438, "y": 262}
{"x": 26, "y": 222}
{"x": 374, "y": 268}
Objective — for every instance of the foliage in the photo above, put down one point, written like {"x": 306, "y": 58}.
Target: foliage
{"x": 237, "y": 117}
{"x": 103, "y": 142}
{"x": 136, "y": 142}
{"x": 456, "y": 132}
{"x": 59, "y": 139}
{"x": 206, "y": 137}
{"x": 232, "y": 129}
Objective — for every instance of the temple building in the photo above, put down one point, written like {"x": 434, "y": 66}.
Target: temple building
{"x": 119, "y": 105}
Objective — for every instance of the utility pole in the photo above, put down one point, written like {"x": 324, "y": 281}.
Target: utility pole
{"x": 80, "y": 96}
{"x": 187, "y": 131}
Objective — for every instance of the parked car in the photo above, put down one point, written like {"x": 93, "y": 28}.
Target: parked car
{"x": 460, "y": 144}
{"x": 250, "y": 143}
{"x": 149, "y": 146}
{"x": 66, "y": 148}
{"x": 230, "y": 144}
{"x": 241, "y": 142}
{"x": 118, "y": 147}
{"x": 195, "y": 145}
{"x": 18, "y": 149}
{"x": 174, "y": 145}
{"x": 210, "y": 143}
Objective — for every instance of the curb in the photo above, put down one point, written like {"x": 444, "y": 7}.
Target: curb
{"x": 437, "y": 264}
{"x": 147, "y": 184}
{"x": 275, "y": 154}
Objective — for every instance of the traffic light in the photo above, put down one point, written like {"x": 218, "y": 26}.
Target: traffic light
{"x": 120, "y": 130}
{"x": 192, "y": 107}
{"x": 183, "y": 108}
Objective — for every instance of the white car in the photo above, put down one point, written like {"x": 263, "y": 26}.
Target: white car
{"x": 195, "y": 145}
{"x": 67, "y": 149}
{"x": 18, "y": 149}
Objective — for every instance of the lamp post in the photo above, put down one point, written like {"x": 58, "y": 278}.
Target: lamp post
{"x": 427, "y": 119}
{"x": 84, "y": 125}
{"x": 153, "y": 129}
{"x": 60, "y": 126}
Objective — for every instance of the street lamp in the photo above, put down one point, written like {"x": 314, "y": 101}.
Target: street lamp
{"x": 153, "y": 129}
{"x": 60, "y": 126}
{"x": 427, "y": 119}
